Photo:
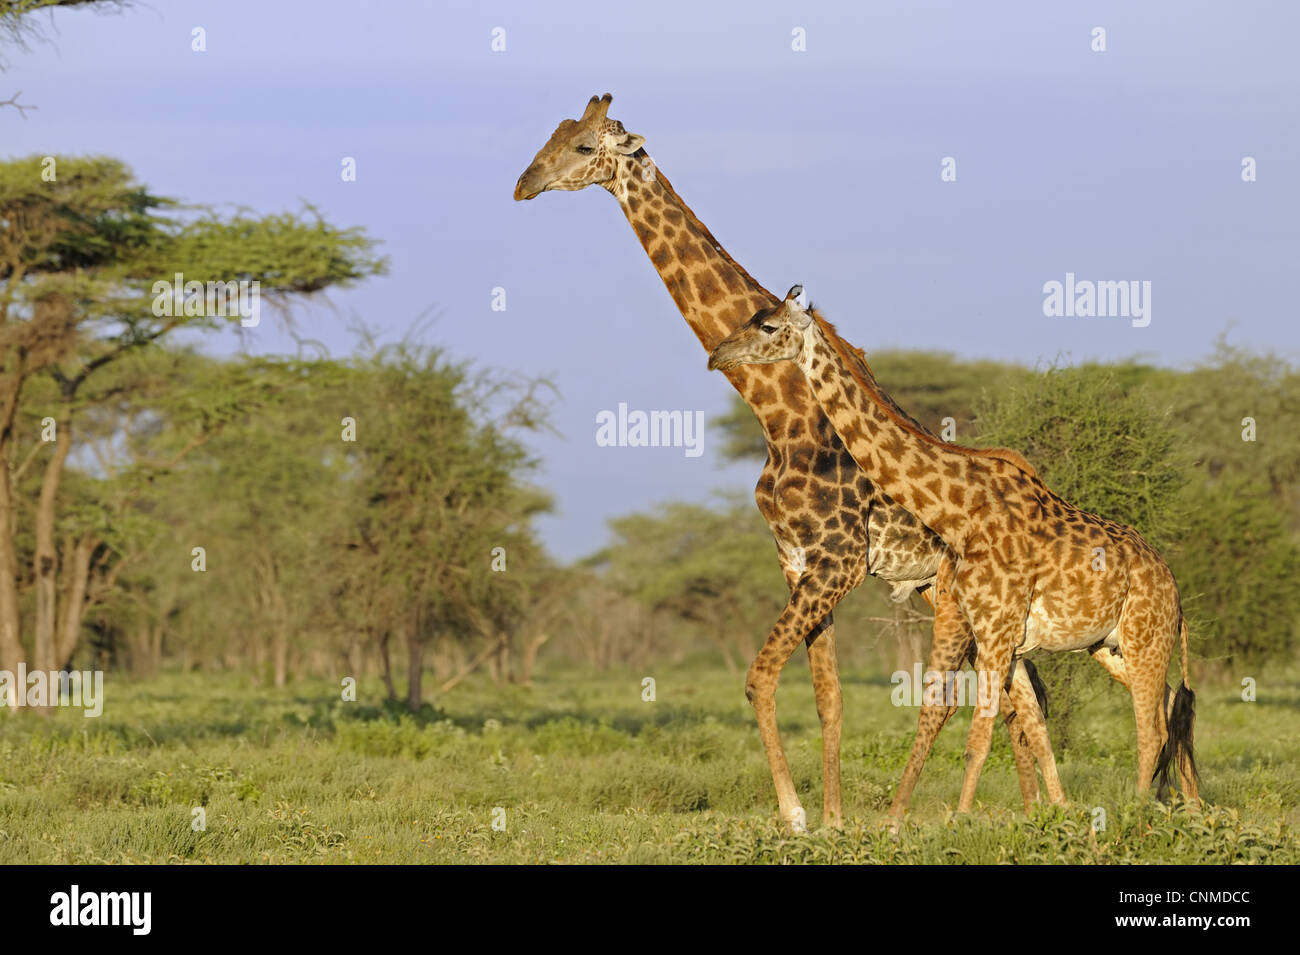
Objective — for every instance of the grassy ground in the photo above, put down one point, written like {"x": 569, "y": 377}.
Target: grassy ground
{"x": 584, "y": 771}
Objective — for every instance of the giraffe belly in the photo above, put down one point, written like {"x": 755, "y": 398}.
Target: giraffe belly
{"x": 1052, "y": 630}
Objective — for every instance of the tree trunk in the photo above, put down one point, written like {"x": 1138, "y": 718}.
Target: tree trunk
{"x": 77, "y": 577}
{"x": 280, "y": 657}
{"x": 256, "y": 656}
{"x": 138, "y": 641}
{"x": 155, "y": 649}
{"x": 45, "y": 562}
{"x": 529, "y": 659}
{"x": 491, "y": 650}
{"x": 498, "y": 659}
{"x": 415, "y": 668}
{"x": 356, "y": 659}
{"x": 11, "y": 647}
{"x": 725, "y": 649}
{"x": 386, "y": 659}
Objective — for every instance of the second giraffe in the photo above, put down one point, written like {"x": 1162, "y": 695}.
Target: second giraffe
{"x": 1024, "y": 568}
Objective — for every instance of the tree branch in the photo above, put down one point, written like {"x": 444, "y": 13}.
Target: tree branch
{"x": 13, "y": 101}
{"x": 70, "y": 386}
{"x": 474, "y": 664}
{"x": 27, "y": 460}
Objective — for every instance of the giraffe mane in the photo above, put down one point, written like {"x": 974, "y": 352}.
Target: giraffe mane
{"x": 855, "y": 360}
{"x": 695, "y": 222}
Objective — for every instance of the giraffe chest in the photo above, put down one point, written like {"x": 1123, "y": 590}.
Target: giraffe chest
{"x": 819, "y": 504}
{"x": 806, "y": 503}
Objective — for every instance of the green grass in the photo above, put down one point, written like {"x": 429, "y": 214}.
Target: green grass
{"x": 587, "y": 772}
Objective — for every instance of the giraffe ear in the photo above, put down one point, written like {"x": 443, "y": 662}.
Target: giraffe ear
{"x": 627, "y": 143}
{"x": 799, "y": 316}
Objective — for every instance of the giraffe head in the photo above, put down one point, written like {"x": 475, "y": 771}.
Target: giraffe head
{"x": 579, "y": 153}
{"x": 773, "y": 334}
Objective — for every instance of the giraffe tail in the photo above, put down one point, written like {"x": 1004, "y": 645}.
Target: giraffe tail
{"x": 1036, "y": 681}
{"x": 1177, "y": 751}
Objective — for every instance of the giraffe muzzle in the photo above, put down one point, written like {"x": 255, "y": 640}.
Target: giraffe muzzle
{"x": 525, "y": 190}
{"x": 720, "y": 362}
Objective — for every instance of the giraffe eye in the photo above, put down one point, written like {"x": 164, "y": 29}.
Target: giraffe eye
{"x": 768, "y": 329}
{"x": 586, "y": 150}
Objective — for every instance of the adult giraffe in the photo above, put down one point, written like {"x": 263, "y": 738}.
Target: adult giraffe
{"x": 832, "y": 526}
{"x": 1025, "y": 568}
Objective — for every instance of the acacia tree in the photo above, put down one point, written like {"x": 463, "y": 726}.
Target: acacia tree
{"x": 1239, "y": 414}
{"x": 82, "y": 251}
{"x": 362, "y": 502}
{"x": 442, "y": 495}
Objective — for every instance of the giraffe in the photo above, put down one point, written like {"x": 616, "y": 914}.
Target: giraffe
{"x": 831, "y": 525}
{"x": 1025, "y": 568}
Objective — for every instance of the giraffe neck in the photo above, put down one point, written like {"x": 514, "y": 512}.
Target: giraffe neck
{"x": 713, "y": 293}
{"x": 939, "y": 483}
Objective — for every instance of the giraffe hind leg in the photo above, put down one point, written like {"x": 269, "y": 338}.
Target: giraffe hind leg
{"x": 1022, "y": 752}
{"x": 1146, "y": 645}
{"x": 1111, "y": 662}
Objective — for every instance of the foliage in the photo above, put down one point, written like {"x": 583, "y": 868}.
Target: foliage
{"x": 1140, "y": 446}
{"x": 1104, "y": 448}
{"x": 83, "y": 249}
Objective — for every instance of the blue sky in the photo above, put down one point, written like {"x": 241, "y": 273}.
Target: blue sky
{"x": 820, "y": 167}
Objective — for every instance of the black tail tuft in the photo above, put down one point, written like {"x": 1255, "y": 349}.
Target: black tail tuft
{"x": 1179, "y": 744}
{"x": 1036, "y": 682}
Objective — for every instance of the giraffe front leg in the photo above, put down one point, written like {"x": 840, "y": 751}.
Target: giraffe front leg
{"x": 991, "y": 663}
{"x": 1032, "y": 728}
{"x": 803, "y": 611}
{"x": 830, "y": 710}
{"x": 948, "y": 650}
